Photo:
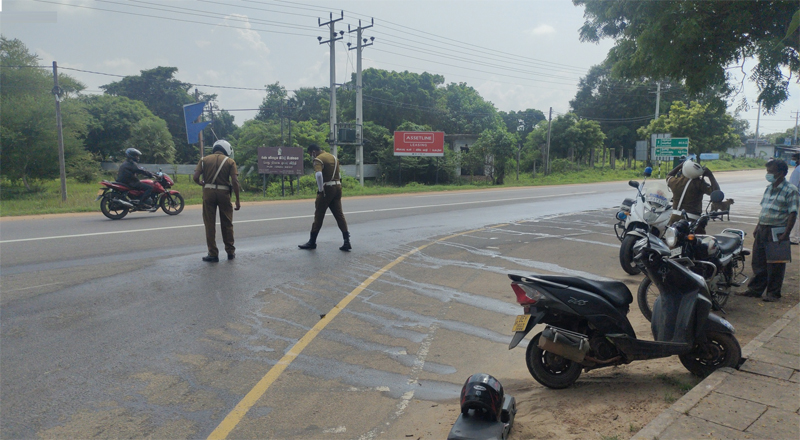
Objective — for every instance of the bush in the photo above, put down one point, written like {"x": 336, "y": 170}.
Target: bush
{"x": 563, "y": 166}
{"x": 83, "y": 168}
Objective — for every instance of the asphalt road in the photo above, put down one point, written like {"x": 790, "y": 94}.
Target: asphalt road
{"x": 117, "y": 329}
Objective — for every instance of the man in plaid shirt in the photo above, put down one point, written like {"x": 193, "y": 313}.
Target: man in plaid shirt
{"x": 779, "y": 208}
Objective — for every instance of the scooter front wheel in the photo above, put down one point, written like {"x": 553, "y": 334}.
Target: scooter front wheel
{"x": 550, "y": 370}
{"x": 626, "y": 255}
{"x": 718, "y": 351}
{"x": 646, "y": 297}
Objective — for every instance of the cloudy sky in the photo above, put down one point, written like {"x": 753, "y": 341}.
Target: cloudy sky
{"x": 518, "y": 54}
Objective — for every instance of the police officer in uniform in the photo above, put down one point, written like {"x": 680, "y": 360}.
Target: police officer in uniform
{"x": 329, "y": 195}
{"x": 219, "y": 177}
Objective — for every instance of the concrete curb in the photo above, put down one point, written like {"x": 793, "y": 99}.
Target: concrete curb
{"x": 681, "y": 407}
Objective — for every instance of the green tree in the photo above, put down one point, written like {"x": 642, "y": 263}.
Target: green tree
{"x": 273, "y": 104}
{"x": 498, "y": 146}
{"x": 165, "y": 96}
{"x": 620, "y": 105}
{"x": 111, "y": 119}
{"x": 28, "y": 135}
{"x": 708, "y": 127}
{"x": 568, "y": 135}
{"x": 530, "y": 118}
{"x": 695, "y": 41}
{"x": 151, "y": 137}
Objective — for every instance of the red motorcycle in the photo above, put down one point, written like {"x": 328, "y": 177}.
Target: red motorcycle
{"x": 118, "y": 199}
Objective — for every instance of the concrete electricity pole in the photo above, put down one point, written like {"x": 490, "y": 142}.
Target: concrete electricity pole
{"x": 658, "y": 98}
{"x": 332, "y": 40}
{"x": 796, "y": 117}
{"x": 758, "y": 122}
{"x": 61, "y": 164}
{"x": 547, "y": 164}
{"x": 359, "y": 109}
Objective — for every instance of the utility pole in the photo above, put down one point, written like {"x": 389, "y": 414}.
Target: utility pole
{"x": 61, "y": 165}
{"x": 547, "y": 164}
{"x": 332, "y": 40}
{"x": 359, "y": 109}
{"x": 796, "y": 117}
{"x": 758, "y": 122}
{"x": 199, "y": 119}
{"x": 658, "y": 98}
{"x": 521, "y": 130}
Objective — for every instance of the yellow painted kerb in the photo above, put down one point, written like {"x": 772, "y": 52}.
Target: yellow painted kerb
{"x": 238, "y": 412}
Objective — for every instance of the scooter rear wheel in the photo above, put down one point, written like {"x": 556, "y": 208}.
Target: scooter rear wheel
{"x": 550, "y": 370}
{"x": 719, "y": 350}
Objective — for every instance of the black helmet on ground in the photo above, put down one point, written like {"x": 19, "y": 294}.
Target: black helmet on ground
{"x": 483, "y": 394}
{"x": 133, "y": 154}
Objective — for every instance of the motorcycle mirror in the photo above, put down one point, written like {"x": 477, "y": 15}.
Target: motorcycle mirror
{"x": 648, "y": 171}
{"x": 717, "y": 196}
{"x": 633, "y": 183}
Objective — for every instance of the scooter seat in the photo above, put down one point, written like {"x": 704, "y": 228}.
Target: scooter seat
{"x": 614, "y": 291}
{"x": 728, "y": 242}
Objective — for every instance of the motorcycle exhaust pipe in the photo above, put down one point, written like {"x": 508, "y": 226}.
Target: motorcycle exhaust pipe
{"x": 567, "y": 344}
{"x": 124, "y": 203}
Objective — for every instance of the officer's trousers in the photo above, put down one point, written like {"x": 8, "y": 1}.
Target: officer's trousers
{"x": 331, "y": 198}
{"x": 213, "y": 199}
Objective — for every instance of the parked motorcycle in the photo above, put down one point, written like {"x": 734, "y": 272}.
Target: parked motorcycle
{"x": 118, "y": 199}
{"x": 719, "y": 259}
{"x": 648, "y": 213}
{"x": 587, "y": 326}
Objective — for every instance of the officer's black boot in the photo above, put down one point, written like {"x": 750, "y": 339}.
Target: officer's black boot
{"x": 312, "y": 242}
{"x": 346, "y": 246}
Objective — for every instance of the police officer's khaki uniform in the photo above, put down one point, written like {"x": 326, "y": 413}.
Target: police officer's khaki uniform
{"x": 217, "y": 194}
{"x": 331, "y": 197}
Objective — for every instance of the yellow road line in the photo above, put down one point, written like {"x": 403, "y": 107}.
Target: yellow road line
{"x": 237, "y": 414}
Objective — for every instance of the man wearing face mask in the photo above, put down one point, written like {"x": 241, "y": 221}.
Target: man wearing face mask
{"x": 794, "y": 179}
{"x": 779, "y": 207}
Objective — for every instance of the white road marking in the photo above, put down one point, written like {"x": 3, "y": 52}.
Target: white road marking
{"x": 94, "y": 234}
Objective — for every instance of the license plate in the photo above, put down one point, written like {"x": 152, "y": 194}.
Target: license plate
{"x": 521, "y": 323}
{"x": 675, "y": 252}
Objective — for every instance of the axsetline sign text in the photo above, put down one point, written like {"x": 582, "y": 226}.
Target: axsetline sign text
{"x": 419, "y": 143}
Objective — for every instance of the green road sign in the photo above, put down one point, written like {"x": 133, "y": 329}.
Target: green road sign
{"x": 673, "y": 147}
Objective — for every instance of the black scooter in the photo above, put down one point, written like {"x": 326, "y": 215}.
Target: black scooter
{"x": 587, "y": 326}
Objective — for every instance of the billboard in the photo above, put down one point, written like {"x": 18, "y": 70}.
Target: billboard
{"x": 280, "y": 160}
{"x": 419, "y": 143}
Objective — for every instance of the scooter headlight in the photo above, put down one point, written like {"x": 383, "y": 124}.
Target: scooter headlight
{"x": 671, "y": 237}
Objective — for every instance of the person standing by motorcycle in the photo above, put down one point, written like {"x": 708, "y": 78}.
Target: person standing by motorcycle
{"x": 219, "y": 178}
{"x": 779, "y": 207}
{"x": 794, "y": 179}
{"x": 329, "y": 195}
{"x": 127, "y": 175}
{"x": 688, "y": 188}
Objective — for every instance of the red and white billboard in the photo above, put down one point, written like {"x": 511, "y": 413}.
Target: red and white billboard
{"x": 419, "y": 143}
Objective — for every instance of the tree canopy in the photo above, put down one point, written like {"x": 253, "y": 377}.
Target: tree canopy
{"x": 695, "y": 41}
{"x": 707, "y": 126}
{"x": 111, "y": 120}
{"x": 165, "y": 96}
{"x": 28, "y": 116}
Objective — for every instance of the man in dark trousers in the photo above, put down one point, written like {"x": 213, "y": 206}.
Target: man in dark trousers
{"x": 127, "y": 175}
{"x": 779, "y": 207}
{"x": 219, "y": 177}
{"x": 329, "y": 195}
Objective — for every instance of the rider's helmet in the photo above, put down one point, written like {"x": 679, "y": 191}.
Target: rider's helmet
{"x": 691, "y": 170}
{"x": 133, "y": 154}
{"x": 223, "y": 146}
{"x": 483, "y": 394}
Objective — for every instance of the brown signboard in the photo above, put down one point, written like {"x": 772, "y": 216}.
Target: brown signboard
{"x": 280, "y": 160}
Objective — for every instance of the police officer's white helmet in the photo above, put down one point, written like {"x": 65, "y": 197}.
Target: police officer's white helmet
{"x": 223, "y": 146}
{"x": 691, "y": 170}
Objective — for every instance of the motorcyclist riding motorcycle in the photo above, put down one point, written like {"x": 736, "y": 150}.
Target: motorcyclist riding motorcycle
{"x": 688, "y": 188}
{"x": 127, "y": 175}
